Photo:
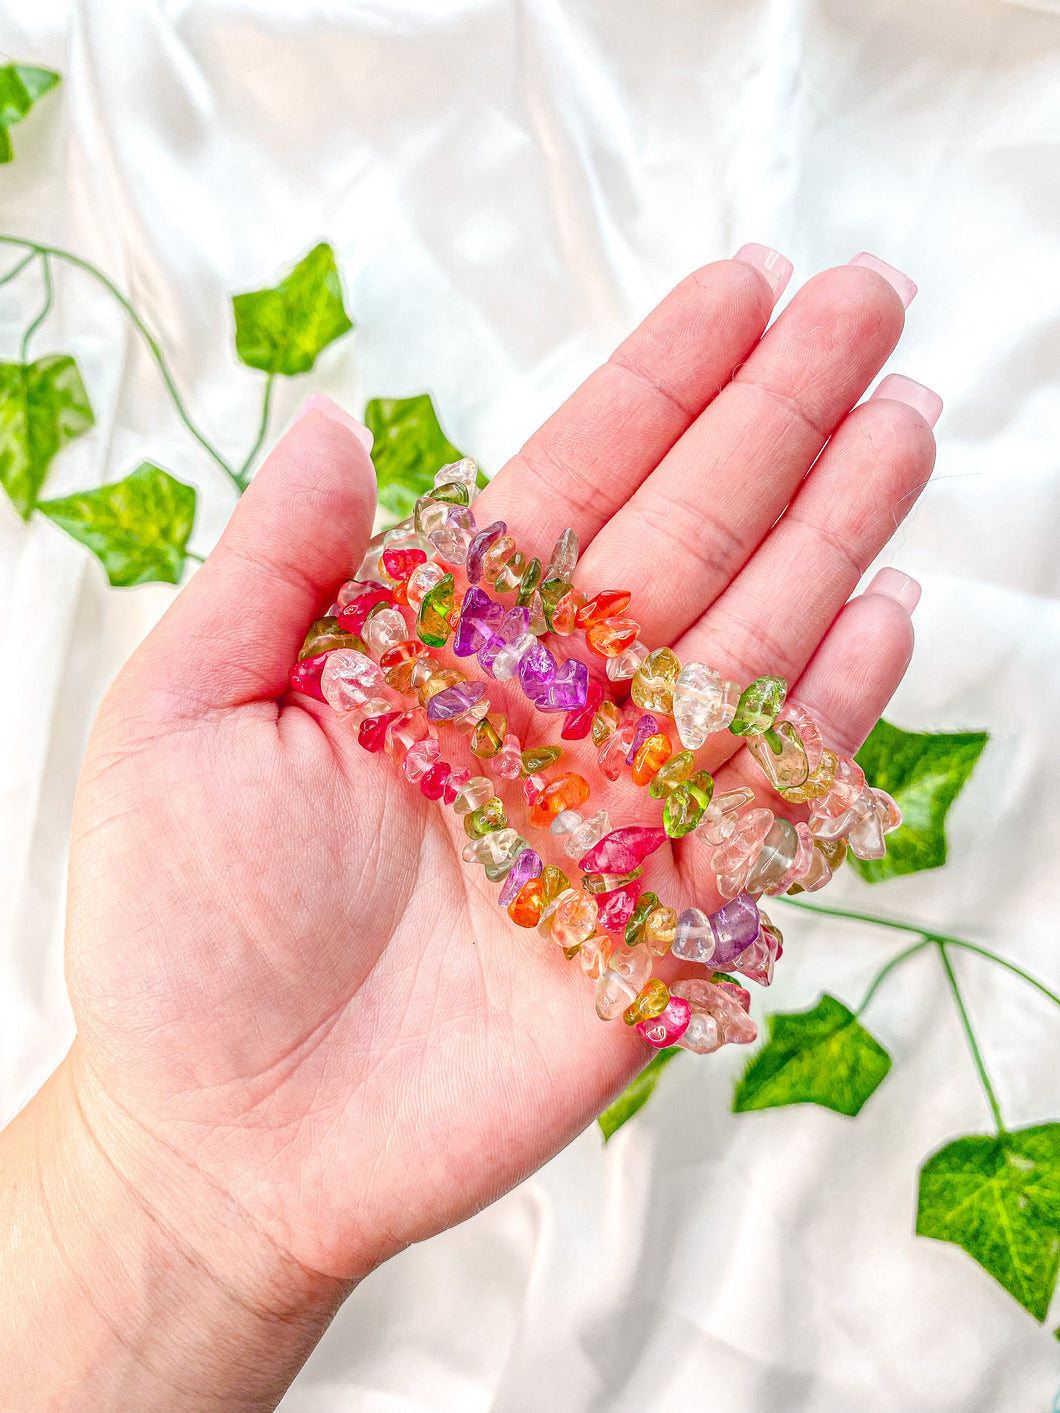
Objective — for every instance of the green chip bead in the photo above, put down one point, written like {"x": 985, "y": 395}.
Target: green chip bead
{"x": 646, "y": 903}
{"x": 485, "y": 819}
{"x": 529, "y": 582}
{"x": 683, "y": 811}
{"x": 540, "y": 758}
{"x": 675, "y": 772}
{"x": 452, "y": 492}
{"x": 702, "y": 786}
{"x": 432, "y": 621}
{"x": 552, "y": 590}
{"x": 759, "y": 706}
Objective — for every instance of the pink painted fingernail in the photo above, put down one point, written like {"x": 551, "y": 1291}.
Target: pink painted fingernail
{"x": 893, "y": 584}
{"x": 902, "y": 285}
{"x": 320, "y": 402}
{"x": 777, "y": 268}
{"x": 898, "y": 388}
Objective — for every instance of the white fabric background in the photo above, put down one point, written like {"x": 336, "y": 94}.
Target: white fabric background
{"x": 509, "y": 187}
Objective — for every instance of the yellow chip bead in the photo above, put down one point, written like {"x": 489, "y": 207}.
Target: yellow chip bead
{"x": 651, "y": 1000}
{"x": 488, "y": 736}
{"x": 605, "y": 723}
{"x": 653, "y": 682}
{"x": 660, "y": 929}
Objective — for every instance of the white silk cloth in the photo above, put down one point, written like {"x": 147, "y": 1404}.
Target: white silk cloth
{"x": 510, "y": 185}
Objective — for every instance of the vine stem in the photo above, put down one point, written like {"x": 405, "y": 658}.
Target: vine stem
{"x": 969, "y": 1033}
{"x": 1001, "y": 962}
{"x": 145, "y": 333}
{"x": 17, "y": 269}
{"x": 46, "y": 308}
{"x": 199, "y": 558}
{"x": 856, "y": 917}
{"x": 888, "y": 967}
{"x": 242, "y": 473}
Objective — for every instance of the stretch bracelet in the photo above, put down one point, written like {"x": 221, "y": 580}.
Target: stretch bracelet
{"x": 364, "y": 657}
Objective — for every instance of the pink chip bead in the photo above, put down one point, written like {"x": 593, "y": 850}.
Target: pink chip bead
{"x": 350, "y": 679}
{"x": 532, "y": 787}
{"x": 845, "y": 792}
{"x": 809, "y": 731}
{"x": 508, "y": 762}
{"x": 405, "y": 730}
{"x": 455, "y": 782}
{"x": 420, "y": 758}
{"x": 667, "y": 1028}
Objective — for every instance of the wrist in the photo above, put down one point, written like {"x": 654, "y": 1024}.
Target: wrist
{"x": 131, "y": 1281}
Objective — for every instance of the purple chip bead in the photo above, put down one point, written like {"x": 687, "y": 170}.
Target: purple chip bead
{"x": 454, "y": 701}
{"x": 537, "y": 668}
{"x": 735, "y": 924}
{"x": 568, "y": 690}
{"x": 528, "y": 865}
{"x": 514, "y": 624}
{"x": 480, "y": 546}
{"x": 480, "y": 616}
{"x": 646, "y": 726}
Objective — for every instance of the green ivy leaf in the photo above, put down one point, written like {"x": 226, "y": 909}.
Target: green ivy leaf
{"x": 43, "y": 406}
{"x": 281, "y": 330}
{"x": 20, "y": 87}
{"x": 822, "y": 1056}
{"x": 409, "y": 447}
{"x": 138, "y": 527}
{"x": 636, "y": 1095}
{"x": 999, "y": 1199}
{"x": 925, "y": 773}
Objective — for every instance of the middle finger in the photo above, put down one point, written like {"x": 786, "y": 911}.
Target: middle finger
{"x": 696, "y": 520}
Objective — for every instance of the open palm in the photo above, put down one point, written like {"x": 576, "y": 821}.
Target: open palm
{"x": 282, "y": 973}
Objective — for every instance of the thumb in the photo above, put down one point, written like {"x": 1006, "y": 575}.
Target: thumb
{"x": 301, "y": 528}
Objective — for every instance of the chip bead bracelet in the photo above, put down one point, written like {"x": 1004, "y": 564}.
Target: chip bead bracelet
{"x": 363, "y": 657}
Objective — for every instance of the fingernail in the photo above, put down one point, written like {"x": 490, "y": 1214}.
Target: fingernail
{"x": 777, "y": 268}
{"x": 320, "y": 402}
{"x": 893, "y": 584}
{"x": 902, "y": 285}
{"x": 898, "y": 388}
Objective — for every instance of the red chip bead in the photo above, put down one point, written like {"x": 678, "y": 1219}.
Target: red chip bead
{"x": 622, "y": 849}
{"x": 578, "y": 723}
{"x": 399, "y": 563}
{"x": 372, "y": 731}
{"x": 304, "y": 676}
{"x": 433, "y": 783}
{"x": 616, "y": 907}
{"x": 353, "y": 615}
{"x": 609, "y": 603}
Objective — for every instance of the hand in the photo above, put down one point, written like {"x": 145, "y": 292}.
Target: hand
{"x": 285, "y": 980}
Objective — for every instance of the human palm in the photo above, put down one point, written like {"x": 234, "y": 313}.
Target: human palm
{"x": 282, "y": 972}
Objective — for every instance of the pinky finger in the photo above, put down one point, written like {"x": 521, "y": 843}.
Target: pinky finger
{"x": 862, "y": 658}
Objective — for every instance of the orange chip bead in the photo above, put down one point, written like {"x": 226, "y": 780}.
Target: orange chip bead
{"x": 526, "y": 907}
{"x": 609, "y": 603}
{"x": 611, "y": 637}
{"x": 566, "y": 792}
{"x": 654, "y": 752}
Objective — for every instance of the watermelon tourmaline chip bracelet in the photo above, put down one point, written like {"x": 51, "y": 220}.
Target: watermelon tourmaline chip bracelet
{"x": 380, "y": 670}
